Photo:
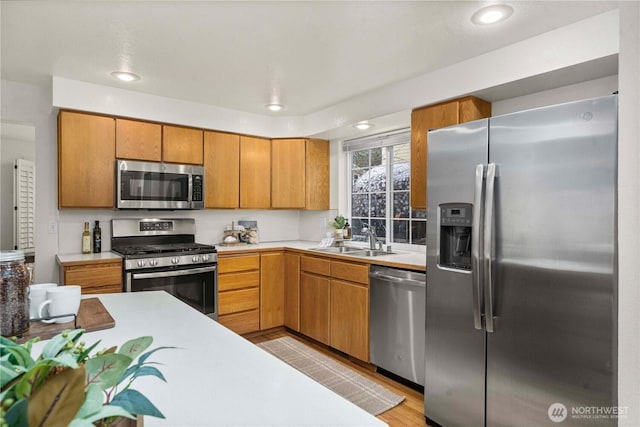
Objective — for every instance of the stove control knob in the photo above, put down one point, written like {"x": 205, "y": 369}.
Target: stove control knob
{"x": 195, "y": 258}
{"x": 205, "y": 257}
{"x": 175, "y": 260}
{"x": 153, "y": 262}
{"x": 141, "y": 263}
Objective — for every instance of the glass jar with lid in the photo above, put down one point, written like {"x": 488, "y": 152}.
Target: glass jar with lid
{"x": 14, "y": 294}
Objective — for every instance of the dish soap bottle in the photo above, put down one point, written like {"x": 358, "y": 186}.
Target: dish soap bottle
{"x": 86, "y": 239}
{"x": 347, "y": 231}
{"x": 97, "y": 238}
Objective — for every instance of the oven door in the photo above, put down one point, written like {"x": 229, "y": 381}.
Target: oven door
{"x": 196, "y": 286}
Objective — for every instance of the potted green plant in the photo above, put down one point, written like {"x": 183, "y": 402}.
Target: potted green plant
{"x": 68, "y": 386}
{"x": 338, "y": 224}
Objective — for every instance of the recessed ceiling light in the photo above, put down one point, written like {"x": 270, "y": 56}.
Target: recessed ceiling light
{"x": 492, "y": 14}
{"x": 125, "y": 76}
{"x": 275, "y": 107}
{"x": 363, "y": 125}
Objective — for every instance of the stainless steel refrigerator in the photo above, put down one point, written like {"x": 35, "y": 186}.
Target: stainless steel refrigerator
{"x": 521, "y": 269}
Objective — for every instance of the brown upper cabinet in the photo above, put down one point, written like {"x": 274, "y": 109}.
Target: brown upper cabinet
{"x": 182, "y": 145}
{"x": 434, "y": 117}
{"x": 317, "y": 174}
{"x": 222, "y": 169}
{"x": 288, "y": 173}
{"x": 138, "y": 140}
{"x": 86, "y": 156}
{"x": 255, "y": 172}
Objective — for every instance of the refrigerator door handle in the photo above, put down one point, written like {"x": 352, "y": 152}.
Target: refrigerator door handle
{"x": 487, "y": 250}
{"x": 476, "y": 263}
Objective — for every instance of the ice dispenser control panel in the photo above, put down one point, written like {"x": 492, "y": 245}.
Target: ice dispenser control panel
{"x": 455, "y": 235}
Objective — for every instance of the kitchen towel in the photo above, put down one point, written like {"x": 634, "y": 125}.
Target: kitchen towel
{"x": 349, "y": 384}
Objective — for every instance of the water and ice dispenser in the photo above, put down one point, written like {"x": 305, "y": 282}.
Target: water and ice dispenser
{"x": 455, "y": 235}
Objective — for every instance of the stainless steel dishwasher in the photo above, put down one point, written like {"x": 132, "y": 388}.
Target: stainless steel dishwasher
{"x": 397, "y": 322}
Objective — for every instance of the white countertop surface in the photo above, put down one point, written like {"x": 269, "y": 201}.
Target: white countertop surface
{"x": 404, "y": 259}
{"x": 216, "y": 377}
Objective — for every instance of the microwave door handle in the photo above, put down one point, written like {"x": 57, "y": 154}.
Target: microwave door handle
{"x": 174, "y": 273}
{"x": 476, "y": 264}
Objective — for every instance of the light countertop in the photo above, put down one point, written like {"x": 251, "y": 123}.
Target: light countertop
{"x": 400, "y": 259}
{"x": 216, "y": 377}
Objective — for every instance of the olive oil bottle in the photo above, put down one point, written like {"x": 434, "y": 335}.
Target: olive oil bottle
{"x": 86, "y": 239}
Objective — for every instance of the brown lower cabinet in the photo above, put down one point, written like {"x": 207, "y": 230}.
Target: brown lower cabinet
{"x": 93, "y": 277}
{"x": 239, "y": 292}
{"x": 334, "y": 304}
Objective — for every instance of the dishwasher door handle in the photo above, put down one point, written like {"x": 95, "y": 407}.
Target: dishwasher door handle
{"x": 398, "y": 279}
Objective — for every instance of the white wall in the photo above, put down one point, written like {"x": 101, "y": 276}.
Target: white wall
{"x": 629, "y": 214}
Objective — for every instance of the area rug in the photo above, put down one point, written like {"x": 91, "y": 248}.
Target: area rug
{"x": 357, "y": 389}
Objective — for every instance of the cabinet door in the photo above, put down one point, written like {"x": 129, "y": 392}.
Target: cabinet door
{"x": 314, "y": 307}
{"x": 255, "y": 173}
{"x": 317, "y": 174}
{"x": 271, "y": 290}
{"x": 287, "y": 173}
{"x": 222, "y": 169}
{"x": 182, "y": 145}
{"x": 98, "y": 278}
{"x": 422, "y": 121}
{"x": 350, "y": 318}
{"x": 434, "y": 117}
{"x": 86, "y": 159}
{"x": 138, "y": 140}
{"x": 292, "y": 291}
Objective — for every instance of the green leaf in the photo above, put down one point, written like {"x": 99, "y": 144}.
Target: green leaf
{"x": 8, "y": 373}
{"x": 106, "y": 370}
{"x": 145, "y": 356}
{"x": 85, "y": 353}
{"x": 133, "y": 348}
{"x": 57, "y": 400}
{"x": 136, "y": 403}
{"x": 93, "y": 401}
{"x": 149, "y": 370}
{"x": 32, "y": 379}
{"x": 78, "y": 422}
{"x": 66, "y": 359}
{"x": 20, "y": 356}
{"x": 57, "y": 343}
{"x": 110, "y": 411}
{"x": 16, "y": 416}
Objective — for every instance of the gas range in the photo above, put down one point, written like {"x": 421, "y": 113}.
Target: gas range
{"x": 151, "y": 243}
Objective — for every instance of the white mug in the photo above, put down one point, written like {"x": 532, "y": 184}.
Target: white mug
{"x": 37, "y": 295}
{"x": 61, "y": 300}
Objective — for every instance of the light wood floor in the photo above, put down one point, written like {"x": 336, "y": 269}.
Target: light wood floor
{"x": 410, "y": 413}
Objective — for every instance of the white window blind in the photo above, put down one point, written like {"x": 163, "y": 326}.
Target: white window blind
{"x": 24, "y": 202}
{"x": 400, "y": 136}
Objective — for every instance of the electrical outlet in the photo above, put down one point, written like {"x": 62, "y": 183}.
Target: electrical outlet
{"x": 53, "y": 226}
{"x": 323, "y": 222}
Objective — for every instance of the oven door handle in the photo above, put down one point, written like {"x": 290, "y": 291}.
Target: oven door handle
{"x": 161, "y": 274}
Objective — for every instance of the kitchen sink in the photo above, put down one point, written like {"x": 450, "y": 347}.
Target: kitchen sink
{"x": 370, "y": 252}
{"x": 338, "y": 249}
{"x": 349, "y": 250}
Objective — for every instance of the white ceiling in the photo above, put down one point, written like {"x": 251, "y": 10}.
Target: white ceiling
{"x": 238, "y": 55}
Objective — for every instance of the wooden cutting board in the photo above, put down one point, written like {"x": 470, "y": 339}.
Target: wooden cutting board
{"x": 92, "y": 316}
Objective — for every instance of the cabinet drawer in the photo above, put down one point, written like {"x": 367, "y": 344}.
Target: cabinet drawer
{"x": 351, "y": 272}
{"x": 95, "y": 278}
{"x": 315, "y": 265}
{"x": 231, "y": 281}
{"x": 241, "y": 323}
{"x": 238, "y": 263}
{"x": 235, "y": 301}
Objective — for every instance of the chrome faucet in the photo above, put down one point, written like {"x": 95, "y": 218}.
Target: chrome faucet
{"x": 374, "y": 243}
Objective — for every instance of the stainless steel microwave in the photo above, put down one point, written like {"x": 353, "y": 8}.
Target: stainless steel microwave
{"x": 153, "y": 185}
